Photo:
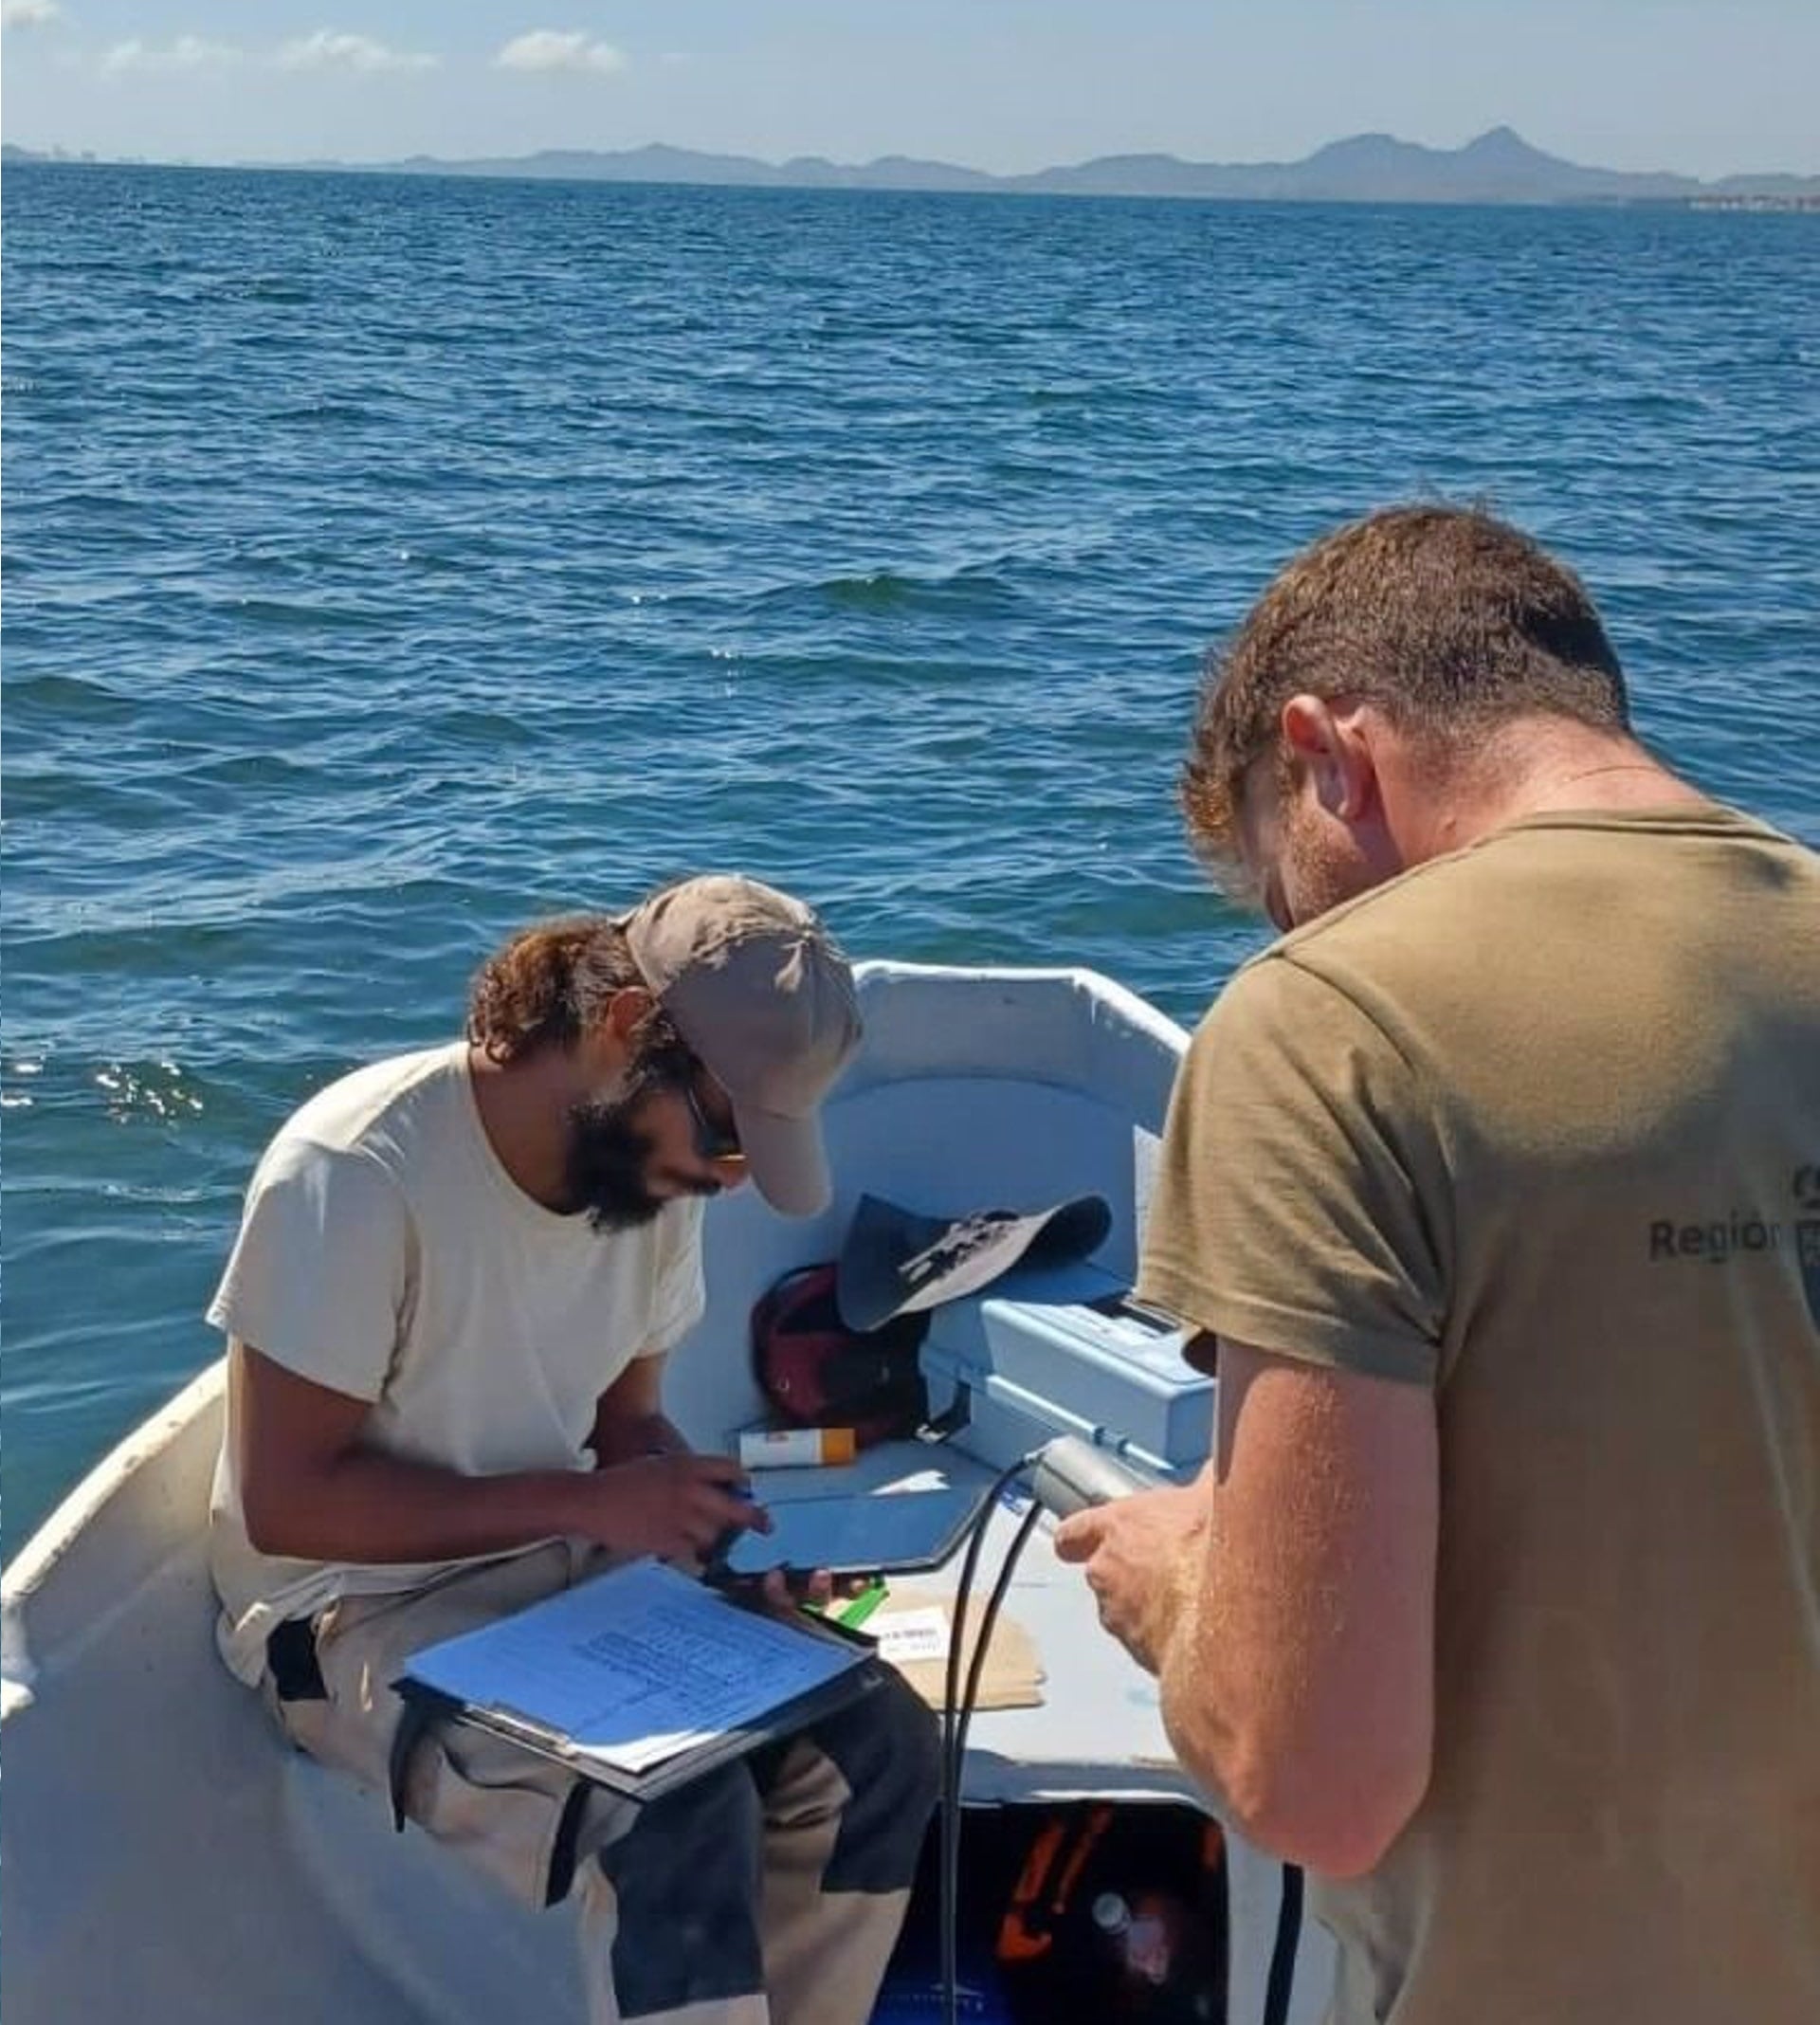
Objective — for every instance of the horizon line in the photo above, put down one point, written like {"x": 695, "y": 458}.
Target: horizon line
{"x": 1524, "y": 151}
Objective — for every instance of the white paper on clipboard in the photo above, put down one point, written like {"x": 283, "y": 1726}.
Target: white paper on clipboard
{"x": 633, "y": 1668}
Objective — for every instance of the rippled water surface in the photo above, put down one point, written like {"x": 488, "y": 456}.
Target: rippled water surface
{"x": 387, "y": 562}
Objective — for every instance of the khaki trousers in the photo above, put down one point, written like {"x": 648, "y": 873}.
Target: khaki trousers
{"x": 770, "y": 1891}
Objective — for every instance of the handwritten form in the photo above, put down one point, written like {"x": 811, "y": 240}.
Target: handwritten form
{"x": 634, "y": 1666}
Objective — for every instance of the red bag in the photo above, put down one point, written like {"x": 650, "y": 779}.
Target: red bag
{"x": 817, "y": 1373}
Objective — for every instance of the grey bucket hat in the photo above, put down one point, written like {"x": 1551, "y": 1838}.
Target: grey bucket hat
{"x": 896, "y": 1262}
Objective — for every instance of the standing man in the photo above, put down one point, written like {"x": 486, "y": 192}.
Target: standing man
{"x": 457, "y": 1280}
{"x": 1494, "y": 1186}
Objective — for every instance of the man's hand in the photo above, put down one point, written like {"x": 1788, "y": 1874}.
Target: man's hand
{"x": 787, "y": 1590}
{"x": 674, "y": 1506}
{"x": 1141, "y": 1555}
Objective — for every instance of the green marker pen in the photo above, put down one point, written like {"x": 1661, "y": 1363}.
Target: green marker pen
{"x": 855, "y": 1612}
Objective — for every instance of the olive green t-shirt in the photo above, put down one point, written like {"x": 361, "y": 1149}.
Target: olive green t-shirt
{"x": 1538, "y": 1125}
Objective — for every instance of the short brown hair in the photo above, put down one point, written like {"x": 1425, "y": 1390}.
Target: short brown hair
{"x": 548, "y": 985}
{"x": 1448, "y": 620}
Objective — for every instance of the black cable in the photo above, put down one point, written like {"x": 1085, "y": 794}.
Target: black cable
{"x": 954, "y": 1730}
{"x": 1007, "y": 1568}
{"x": 1283, "y": 1955}
{"x": 948, "y": 1859}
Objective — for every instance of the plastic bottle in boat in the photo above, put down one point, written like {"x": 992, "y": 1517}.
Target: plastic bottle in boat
{"x": 1158, "y": 1968}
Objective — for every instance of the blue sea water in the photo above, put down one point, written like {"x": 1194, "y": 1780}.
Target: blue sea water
{"x": 390, "y": 560}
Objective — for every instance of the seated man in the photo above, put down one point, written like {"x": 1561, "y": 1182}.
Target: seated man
{"x": 456, "y": 1281}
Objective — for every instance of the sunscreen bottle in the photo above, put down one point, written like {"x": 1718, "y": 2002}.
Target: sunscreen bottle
{"x": 795, "y": 1448}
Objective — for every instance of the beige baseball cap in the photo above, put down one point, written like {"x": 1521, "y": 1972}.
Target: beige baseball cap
{"x": 759, "y": 992}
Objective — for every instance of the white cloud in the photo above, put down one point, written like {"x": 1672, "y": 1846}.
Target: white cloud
{"x": 330, "y": 49}
{"x": 29, "y": 13}
{"x": 556, "y": 50}
{"x": 189, "y": 53}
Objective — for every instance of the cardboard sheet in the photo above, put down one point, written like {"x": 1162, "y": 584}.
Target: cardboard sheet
{"x": 1013, "y": 1675}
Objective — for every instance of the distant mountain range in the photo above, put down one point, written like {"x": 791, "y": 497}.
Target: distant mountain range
{"x": 1498, "y": 167}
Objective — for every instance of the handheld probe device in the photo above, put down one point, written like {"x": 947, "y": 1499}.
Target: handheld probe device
{"x": 1071, "y": 1474}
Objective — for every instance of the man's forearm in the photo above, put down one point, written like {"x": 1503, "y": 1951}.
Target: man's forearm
{"x": 1191, "y": 1716}
{"x": 367, "y": 1506}
{"x": 624, "y": 1437}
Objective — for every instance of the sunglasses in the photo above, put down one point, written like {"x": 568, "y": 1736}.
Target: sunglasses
{"x": 712, "y": 1142}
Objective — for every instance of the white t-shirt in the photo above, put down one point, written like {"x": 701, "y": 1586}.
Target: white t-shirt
{"x": 386, "y": 1253}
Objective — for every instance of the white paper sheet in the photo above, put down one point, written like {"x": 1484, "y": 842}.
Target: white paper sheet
{"x": 634, "y": 1667}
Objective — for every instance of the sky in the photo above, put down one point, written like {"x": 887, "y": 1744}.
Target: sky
{"x": 1707, "y": 87}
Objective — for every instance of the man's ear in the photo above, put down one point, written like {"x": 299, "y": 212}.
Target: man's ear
{"x": 1334, "y": 746}
{"x": 628, "y": 1010}
{"x": 607, "y": 1044}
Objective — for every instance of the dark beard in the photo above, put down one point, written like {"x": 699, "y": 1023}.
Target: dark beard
{"x": 604, "y": 1171}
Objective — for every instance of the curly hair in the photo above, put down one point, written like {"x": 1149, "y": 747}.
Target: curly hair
{"x": 552, "y": 981}
{"x": 1447, "y": 619}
